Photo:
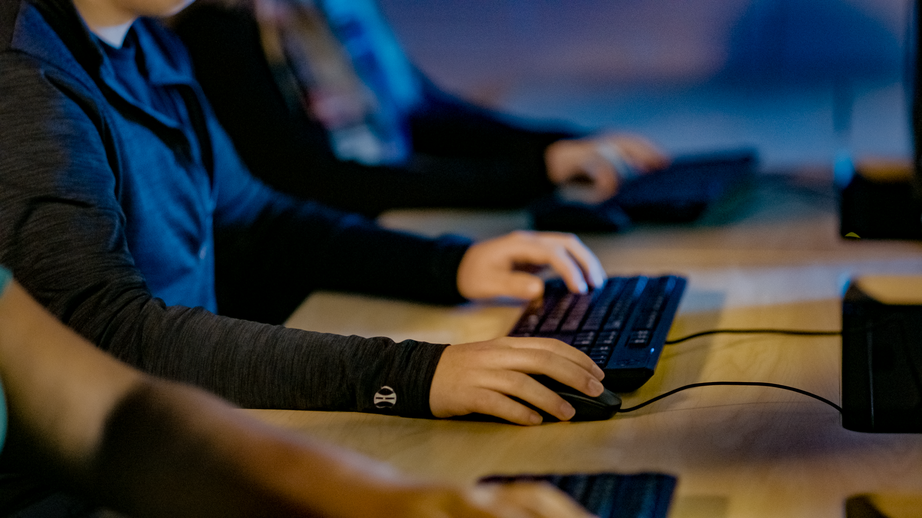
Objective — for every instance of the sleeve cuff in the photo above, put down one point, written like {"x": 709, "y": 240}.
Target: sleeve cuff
{"x": 404, "y": 390}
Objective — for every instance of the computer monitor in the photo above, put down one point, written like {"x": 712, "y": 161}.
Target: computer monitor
{"x": 885, "y": 201}
{"x": 881, "y": 315}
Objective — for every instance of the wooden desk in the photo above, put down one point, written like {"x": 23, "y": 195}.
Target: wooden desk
{"x": 771, "y": 260}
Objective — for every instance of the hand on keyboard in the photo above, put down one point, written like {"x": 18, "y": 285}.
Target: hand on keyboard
{"x": 497, "y": 267}
{"x": 516, "y": 499}
{"x": 600, "y": 163}
{"x": 511, "y": 500}
{"x": 483, "y": 377}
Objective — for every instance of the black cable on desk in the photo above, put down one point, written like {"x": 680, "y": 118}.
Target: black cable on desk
{"x": 755, "y": 331}
{"x": 732, "y": 383}
{"x": 797, "y": 332}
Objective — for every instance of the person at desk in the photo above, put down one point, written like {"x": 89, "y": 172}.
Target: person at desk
{"x": 125, "y": 210}
{"x": 152, "y": 448}
{"x": 320, "y": 101}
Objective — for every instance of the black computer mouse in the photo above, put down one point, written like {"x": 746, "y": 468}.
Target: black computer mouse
{"x": 588, "y": 408}
{"x": 555, "y": 213}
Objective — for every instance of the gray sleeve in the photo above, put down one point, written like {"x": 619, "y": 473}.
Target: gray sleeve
{"x": 62, "y": 232}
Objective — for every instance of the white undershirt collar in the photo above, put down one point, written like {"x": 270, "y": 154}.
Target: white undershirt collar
{"x": 113, "y": 35}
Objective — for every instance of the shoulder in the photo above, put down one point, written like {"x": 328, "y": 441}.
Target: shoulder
{"x": 53, "y": 126}
{"x": 35, "y": 61}
{"x": 34, "y": 92}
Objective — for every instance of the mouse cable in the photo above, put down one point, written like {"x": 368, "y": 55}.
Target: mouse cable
{"x": 732, "y": 383}
{"x": 754, "y": 331}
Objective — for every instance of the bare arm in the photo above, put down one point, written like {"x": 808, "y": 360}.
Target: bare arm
{"x": 158, "y": 449}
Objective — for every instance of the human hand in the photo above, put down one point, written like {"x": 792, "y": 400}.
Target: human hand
{"x": 514, "y": 500}
{"x": 357, "y": 486}
{"x": 482, "y": 377}
{"x": 601, "y": 162}
{"x": 496, "y": 267}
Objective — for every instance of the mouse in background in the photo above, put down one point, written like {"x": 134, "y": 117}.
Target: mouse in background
{"x": 588, "y": 408}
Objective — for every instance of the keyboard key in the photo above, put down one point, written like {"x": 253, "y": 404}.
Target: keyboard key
{"x": 585, "y": 338}
{"x": 577, "y": 313}
{"x": 639, "y": 338}
{"x": 603, "y": 351}
{"x": 608, "y": 338}
{"x": 555, "y": 316}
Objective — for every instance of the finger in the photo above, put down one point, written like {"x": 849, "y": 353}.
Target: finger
{"x": 512, "y": 395}
{"x": 507, "y": 377}
{"x": 544, "y": 500}
{"x": 641, "y": 153}
{"x": 517, "y": 284}
{"x": 489, "y": 401}
{"x": 537, "y": 250}
{"x": 603, "y": 178}
{"x": 554, "y": 346}
{"x": 587, "y": 261}
{"x": 568, "y": 269}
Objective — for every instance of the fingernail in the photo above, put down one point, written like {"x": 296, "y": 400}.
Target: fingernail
{"x": 595, "y": 388}
{"x": 600, "y": 280}
{"x": 535, "y": 289}
{"x": 598, "y": 372}
{"x": 534, "y": 419}
{"x": 567, "y": 411}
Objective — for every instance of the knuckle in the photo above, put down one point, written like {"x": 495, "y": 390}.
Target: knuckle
{"x": 512, "y": 382}
{"x": 481, "y": 402}
{"x": 573, "y": 239}
{"x": 542, "y": 357}
{"x": 522, "y": 234}
{"x": 509, "y": 342}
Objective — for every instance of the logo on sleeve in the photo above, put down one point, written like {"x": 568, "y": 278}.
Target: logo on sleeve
{"x": 385, "y": 397}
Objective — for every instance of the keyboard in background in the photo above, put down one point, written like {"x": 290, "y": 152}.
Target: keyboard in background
{"x": 610, "y": 495}
{"x": 621, "y": 326}
{"x": 679, "y": 193}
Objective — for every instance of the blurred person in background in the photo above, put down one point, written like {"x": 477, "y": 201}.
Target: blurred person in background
{"x": 321, "y": 102}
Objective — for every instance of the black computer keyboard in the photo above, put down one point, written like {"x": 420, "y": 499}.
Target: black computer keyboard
{"x": 610, "y": 495}
{"x": 621, "y": 326}
{"x": 681, "y": 192}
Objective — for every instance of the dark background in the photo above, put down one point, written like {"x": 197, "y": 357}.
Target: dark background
{"x": 799, "y": 79}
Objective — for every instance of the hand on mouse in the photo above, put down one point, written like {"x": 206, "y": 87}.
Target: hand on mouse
{"x": 482, "y": 377}
{"x": 497, "y": 267}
